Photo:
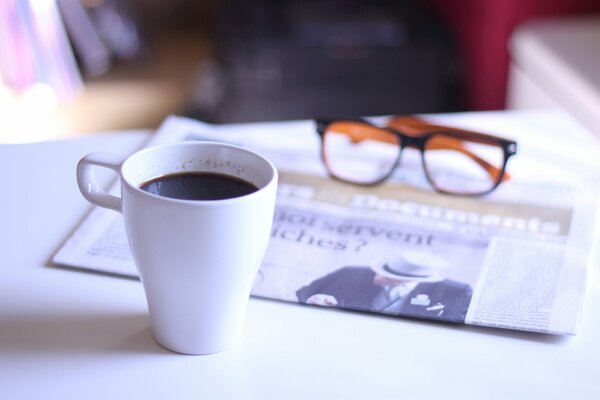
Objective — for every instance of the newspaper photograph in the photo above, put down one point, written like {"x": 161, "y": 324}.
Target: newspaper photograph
{"x": 514, "y": 259}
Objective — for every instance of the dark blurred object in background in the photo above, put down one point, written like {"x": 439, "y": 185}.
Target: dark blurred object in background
{"x": 297, "y": 59}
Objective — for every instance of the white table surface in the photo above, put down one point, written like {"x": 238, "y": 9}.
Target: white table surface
{"x": 76, "y": 335}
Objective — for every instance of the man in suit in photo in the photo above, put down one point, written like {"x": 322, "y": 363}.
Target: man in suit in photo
{"x": 412, "y": 285}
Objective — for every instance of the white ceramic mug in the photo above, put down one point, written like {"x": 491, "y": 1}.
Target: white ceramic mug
{"x": 197, "y": 259}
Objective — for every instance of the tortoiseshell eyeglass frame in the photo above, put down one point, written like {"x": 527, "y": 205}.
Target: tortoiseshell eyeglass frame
{"x": 413, "y": 132}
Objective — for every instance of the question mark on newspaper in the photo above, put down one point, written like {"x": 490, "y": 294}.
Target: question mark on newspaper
{"x": 362, "y": 243}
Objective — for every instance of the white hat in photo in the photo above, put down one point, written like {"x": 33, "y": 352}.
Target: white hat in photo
{"x": 416, "y": 266}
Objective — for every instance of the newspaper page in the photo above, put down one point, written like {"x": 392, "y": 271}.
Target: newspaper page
{"x": 515, "y": 259}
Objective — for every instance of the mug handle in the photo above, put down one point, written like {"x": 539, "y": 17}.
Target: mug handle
{"x": 88, "y": 184}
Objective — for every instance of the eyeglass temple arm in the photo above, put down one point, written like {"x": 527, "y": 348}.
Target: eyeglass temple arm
{"x": 374, "y": 133}
{"x": 439, "y": 144}
{"x": 416, "y": 126}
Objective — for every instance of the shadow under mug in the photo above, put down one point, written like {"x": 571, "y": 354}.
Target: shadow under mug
{"x": 197, "y": 259}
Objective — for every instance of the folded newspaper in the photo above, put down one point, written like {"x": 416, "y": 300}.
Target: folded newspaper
{"x": 514, "y": 259}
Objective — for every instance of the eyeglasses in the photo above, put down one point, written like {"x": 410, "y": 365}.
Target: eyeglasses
{"x": 455, "y": 161}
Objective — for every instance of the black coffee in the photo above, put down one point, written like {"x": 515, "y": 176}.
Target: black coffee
{"x": 199, "y": 186}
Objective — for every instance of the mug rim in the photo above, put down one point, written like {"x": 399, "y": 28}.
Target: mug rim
{"x": 271, "y": 181}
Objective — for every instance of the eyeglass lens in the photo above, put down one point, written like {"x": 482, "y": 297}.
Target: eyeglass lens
{"x": 462, "y": 166}
{"x": 360, "y": 153}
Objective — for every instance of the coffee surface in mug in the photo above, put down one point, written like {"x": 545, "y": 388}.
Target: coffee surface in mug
{"x": 199, "y": 186}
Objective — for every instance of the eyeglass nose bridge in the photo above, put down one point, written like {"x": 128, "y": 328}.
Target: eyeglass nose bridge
{"x": 413, "y": 142}
{"x": 404, "y": 141}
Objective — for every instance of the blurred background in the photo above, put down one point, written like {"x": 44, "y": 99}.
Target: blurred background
{"x": 70, "y": 67}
